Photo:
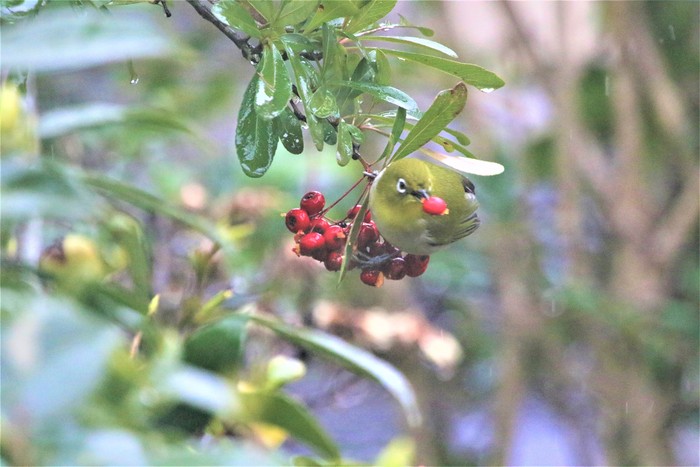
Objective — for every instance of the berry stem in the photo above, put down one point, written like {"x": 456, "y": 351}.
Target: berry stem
{"x": 347, "y": 192}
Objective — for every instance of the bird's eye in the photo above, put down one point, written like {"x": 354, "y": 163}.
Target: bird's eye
{"x": 401, "y": 186}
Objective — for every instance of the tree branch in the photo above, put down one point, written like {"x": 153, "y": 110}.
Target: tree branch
{"x": 249, "y": 52}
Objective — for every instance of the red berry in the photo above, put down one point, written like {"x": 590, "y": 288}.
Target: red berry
{"x": 310, "y": 244}
{"x": 334, "y": 237}
{"x": 435, "y": 206}
{"x": 416, "y": 264}
{"x": 334, "y": 260}
{"x": 352, "y": 213}
{"x": 319, "y": 225}
{"x": 297, "y": 220}
{"x": 372, "y": 277}
{"x": 368, "y": 234}
{"x": 312, "y": 202}
{"x": 395, "y": 269}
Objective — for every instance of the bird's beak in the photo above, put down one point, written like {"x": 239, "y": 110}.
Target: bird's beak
{"x": 422, "y": 195}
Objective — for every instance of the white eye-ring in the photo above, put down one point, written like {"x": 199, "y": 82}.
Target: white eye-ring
{"x": 401, "y": 186}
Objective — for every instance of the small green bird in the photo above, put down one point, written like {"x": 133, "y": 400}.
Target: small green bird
{"x": 398, "y": 199}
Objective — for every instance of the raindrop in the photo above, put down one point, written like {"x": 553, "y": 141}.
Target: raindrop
{"x": 486, "y": 90}
{"x": 132, "y": 73}
{"x": 672, "y": 32}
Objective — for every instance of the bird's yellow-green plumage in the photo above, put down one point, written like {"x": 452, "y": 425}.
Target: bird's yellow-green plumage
{"x": 395, "y": 200}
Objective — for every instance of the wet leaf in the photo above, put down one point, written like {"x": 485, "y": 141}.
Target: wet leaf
{"x": 323, "y": 103}
{"x": 466, "y": 164}
{"x": 295, "y": 11}
{"x": 475, "y": 75}
{"x": 383, "y": 68}
{"x": 371, "y": 12}
{"x": 396, "y": 130}
{"x": 291, "y": 135}
{"x": 306, "y": 78}
{"x": 334, "y": 55}
{"x": 265, "y": 8}
{"x": 330, "y": 133}
{"x": 344, "y": 148}
{"x": 328, "y": 10}
{"x": 256, "y": 138}
{"x": 232, "y": 13}
{"x": 386, "y": 93}
{"x": 413, "y": 41}
{"x": 274, "y": 88}
{"x": 446, "y": 106}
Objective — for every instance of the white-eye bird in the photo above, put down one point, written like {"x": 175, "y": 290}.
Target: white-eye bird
{"x": 396, "y": 201}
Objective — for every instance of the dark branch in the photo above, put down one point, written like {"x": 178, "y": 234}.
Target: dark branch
{"x": 249, "y": 52}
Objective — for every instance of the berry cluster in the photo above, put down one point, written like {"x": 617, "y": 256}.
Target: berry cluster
{"x": 324, "y": 240}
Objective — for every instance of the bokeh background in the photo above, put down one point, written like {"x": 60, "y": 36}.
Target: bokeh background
{"x": 565, "y": 331}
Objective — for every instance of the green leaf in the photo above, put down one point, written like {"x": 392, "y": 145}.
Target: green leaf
{"x": 354, "y": 359}
{"x": 275, "y": 408}
{"x": 305, "y": 76}
{"x": 291, "y": 135}
{"x": 323, "y": 103}
{"x": 256, "y": 138}
{"x": 414, "y": 41}
{"x": 328, "y": 10}
{"x": 475, "y": 75}
{"x": 371, "y": 12}
{"x": 232, "y": 13}
{"x": 386, "y": 93}
{"x": 396, "y": 130}
{"x": 295, "y": 11}
{"x": 383, "y": 68}
{"x": 404, "y": 23}
{"x": 334, "y": 55}
{"x": 344, "y": 148}
{"x": 75, "y": 41}
{"x": 446, "y": 106}
{"x": 274, "y": 88}
{"x": 265, "y": 8}
{"x": 217, "y": 346}
{"x": 330, "y": 133}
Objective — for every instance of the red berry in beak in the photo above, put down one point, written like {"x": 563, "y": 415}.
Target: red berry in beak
{"x": 435, "y": 206}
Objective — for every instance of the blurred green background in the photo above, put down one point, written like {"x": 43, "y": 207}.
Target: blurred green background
{"x": 564, "y": 331}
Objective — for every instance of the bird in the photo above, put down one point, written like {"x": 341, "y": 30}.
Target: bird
{"x": 399, "y": 200}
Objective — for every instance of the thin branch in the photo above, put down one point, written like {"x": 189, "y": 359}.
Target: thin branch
{"x": 242, "y": 41}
